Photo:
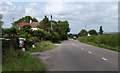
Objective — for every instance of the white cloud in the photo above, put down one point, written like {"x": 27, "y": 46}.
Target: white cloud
{"x": 77, "y": 14}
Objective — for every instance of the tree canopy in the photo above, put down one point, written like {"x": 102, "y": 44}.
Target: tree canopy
{"x": 92, "y": 32}
{"x": 25, "y": 19}
{"x": 45, "y": 24}
{"x": 83, "y": 32}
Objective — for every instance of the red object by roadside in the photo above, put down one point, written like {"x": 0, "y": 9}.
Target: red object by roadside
{"x": 23, "y": 46}
{"x": 32, "y": 43}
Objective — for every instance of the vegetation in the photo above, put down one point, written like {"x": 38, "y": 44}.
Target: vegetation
{"x": 83, "y": 32}
{"x": 110, "y": 41}
{"x": 42, "y": 46}
{"x": 25, "y": 19}
{"x": 1, "y": 22}
{"x": 92, "y": 32}
{"x": 20, "y": 61}
{"x": 45, "y": 24}
{"x": 101, "y": 30}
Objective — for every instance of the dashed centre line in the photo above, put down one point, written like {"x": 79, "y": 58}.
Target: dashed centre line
{"x": 82, "y": 48}
{"x": 89, "y": 52}
{"x": 104, "y": 59}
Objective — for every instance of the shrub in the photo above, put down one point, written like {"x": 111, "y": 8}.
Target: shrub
{"x": 92, "y": 32}
{"x": 83, "y": 32}
{"x": 55, "y": 37}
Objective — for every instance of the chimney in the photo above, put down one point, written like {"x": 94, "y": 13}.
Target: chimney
{"x": 30, "y": 21}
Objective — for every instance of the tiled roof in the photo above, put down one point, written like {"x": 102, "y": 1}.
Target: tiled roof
{"x": 33, "y": 24}
{"x": 22, "y": 24}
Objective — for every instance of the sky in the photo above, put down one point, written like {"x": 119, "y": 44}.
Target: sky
{"x": 78, "y": 14}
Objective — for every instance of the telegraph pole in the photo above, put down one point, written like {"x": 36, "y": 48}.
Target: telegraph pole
{"x": 13, "y": 22}
{"x": 51, "y": 22}
{"x": 85, "y": 27}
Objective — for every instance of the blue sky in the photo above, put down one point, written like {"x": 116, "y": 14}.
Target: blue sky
{"x": 78, "y": 14}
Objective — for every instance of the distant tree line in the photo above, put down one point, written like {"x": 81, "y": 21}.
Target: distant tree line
{"x": 83, "y": 32}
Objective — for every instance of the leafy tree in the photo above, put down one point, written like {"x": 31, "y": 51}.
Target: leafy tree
{"x": 45, "y": 24}
{"x": 92, "y": 32}
{"x": 55, "y": 37}
{"x": 27, "y": 27}
{"x": 101, "y": 30}
{"x": 25, "y": 19}
{"x": 62, "y": 28}
{"x": 34, "y": 20}
{"x": 38, "y": 33}
{"x": 48, "y": 36}
{"x": 83, "y": 32}
{"x": 9, "y": 32}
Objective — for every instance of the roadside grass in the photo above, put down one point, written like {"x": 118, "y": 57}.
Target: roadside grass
{"x": 20, "y": 61}
{"x": 42, "y": 46}
{"x": 103, "y": 46}
{"x": 110, "y": 41}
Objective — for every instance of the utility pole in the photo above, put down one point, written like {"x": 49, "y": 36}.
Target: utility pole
{"x": 85, "y": 27}
{"x": 13, "y": 22}
{"x": 51, "y": 22}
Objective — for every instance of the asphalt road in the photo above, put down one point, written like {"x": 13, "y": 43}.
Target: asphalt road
{"x": 73, "y": 55}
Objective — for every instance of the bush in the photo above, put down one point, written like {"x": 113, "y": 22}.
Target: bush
{"x": 55, "y": 37}
{"x": 48, "y": 36}
{"x": 92, "y": 32}
{"x": 83, "y": 32}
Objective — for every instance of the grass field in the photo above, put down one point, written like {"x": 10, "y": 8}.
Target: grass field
{"x": 110, "y": 41}
{"x": 42, "y": 46}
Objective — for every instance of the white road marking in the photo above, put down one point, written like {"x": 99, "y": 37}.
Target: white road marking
{"x": 89, "y": 52}
{"x": 77, "y": 46}
{"x": 105, "y": 59}
{"x": 82, "y": 48}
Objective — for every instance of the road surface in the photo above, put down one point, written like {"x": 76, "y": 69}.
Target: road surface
{"x": 73, "y": 55}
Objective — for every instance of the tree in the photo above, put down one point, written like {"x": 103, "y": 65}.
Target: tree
{"x": 48, "y": 36}
{"x": 101, "y": 30}
{"x": 25, "y": 19}
{"x": 34, "y": 20}
{"x": 26, "y": 27}
{"x": 38, "y": 33}
{"x": 62, "y": 28}
{"x": 83, "y": 32}
{"x": 92, "y": 32}
{"x": 9, "y": 32}
{"x": 1, "y": 22}
{"x": 45, "y": 24}
{"x": 55, "y": 37}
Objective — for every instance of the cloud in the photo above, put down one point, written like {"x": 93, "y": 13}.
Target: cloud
{"x": 78, "y": 14}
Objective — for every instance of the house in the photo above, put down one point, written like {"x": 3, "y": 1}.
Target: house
{"x": 88, "y": 34}
{"x": 32, "y": 24}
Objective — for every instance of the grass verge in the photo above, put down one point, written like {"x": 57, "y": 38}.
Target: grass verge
{"x": 20, "y": 61}
{"x": 103, "y": 46}
{"x": 42, "y": 46}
